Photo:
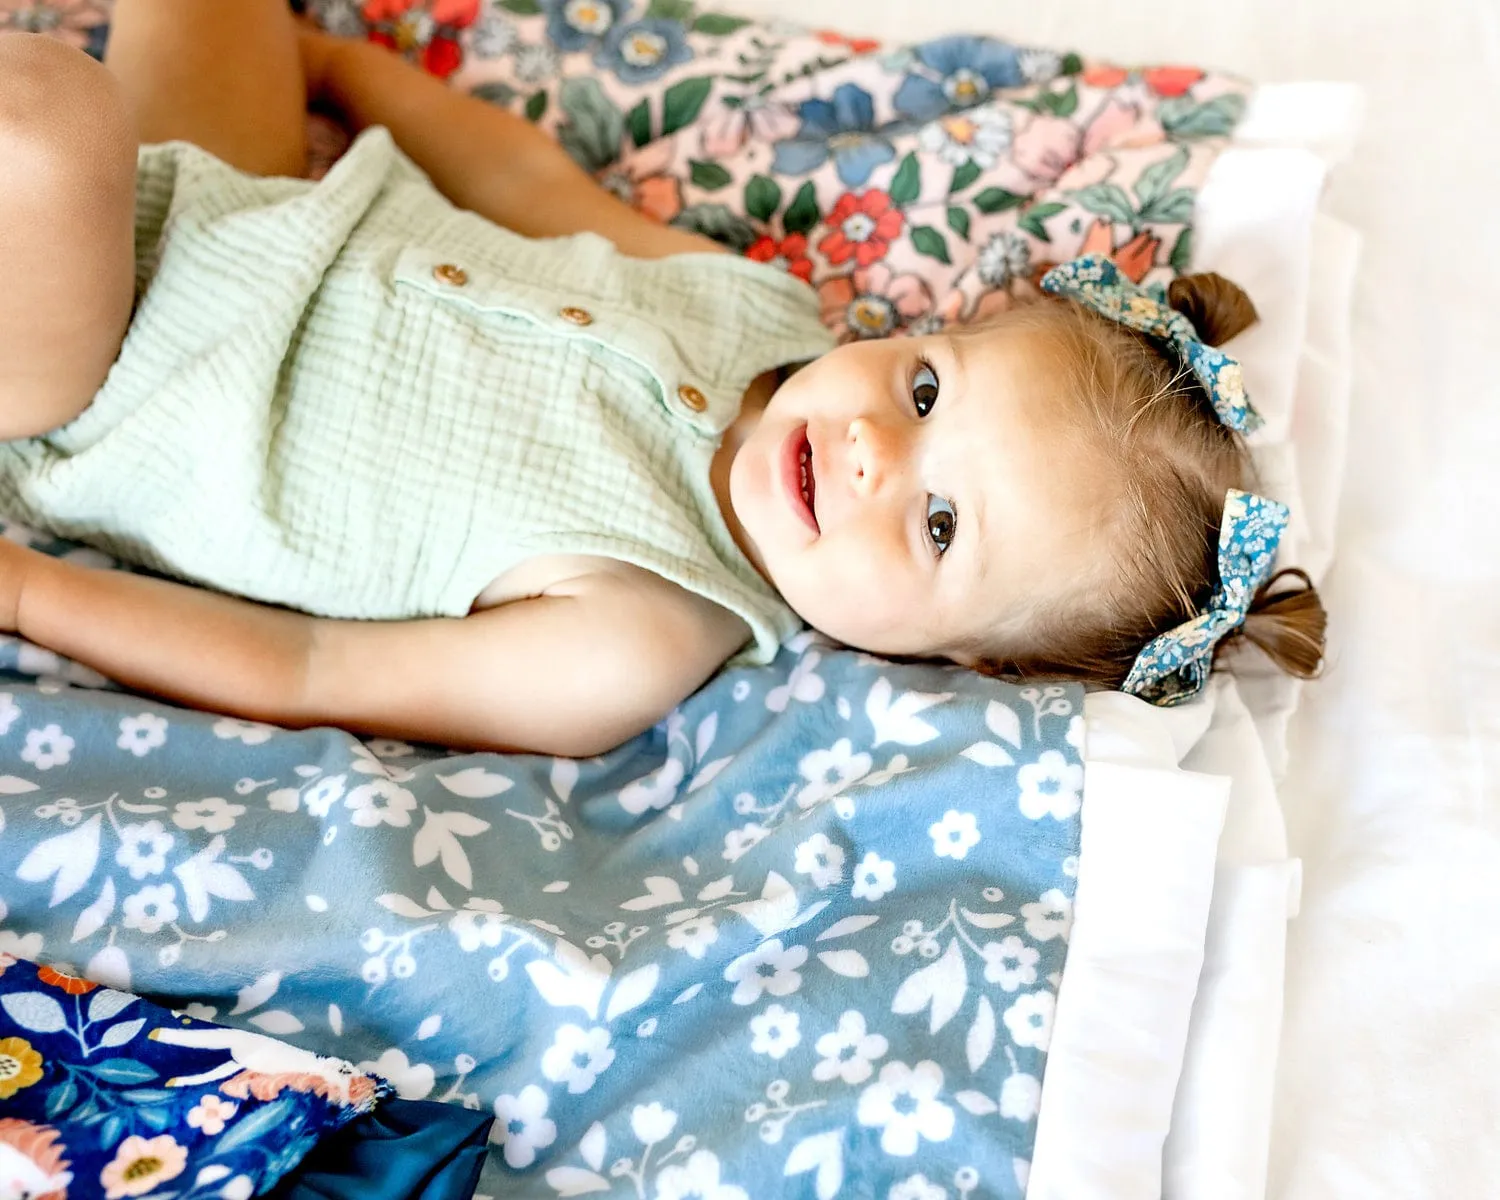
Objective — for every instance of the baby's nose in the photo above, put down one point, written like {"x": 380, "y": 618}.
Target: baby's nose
{"x": 874, "y": 452}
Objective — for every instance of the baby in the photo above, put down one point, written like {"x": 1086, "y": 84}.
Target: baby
{"x": 458, "y": 447}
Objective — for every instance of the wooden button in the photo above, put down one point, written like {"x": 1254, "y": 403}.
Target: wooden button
{"x": 451, "y": 274}
{"x": 692, "y": 397}
{"x": 579, "y": 316}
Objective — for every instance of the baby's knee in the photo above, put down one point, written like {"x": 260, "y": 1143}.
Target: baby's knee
{"x": 62, "y": 115}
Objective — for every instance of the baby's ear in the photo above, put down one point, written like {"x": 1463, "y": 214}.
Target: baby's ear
{"x": 1217, "y": 308}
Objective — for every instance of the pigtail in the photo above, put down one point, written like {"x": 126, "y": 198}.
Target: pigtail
{"x": 1287, "y": 624}
{"x": 1217, "y": 308}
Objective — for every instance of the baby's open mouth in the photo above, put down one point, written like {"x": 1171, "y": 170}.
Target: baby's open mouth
{"x": 799, "y": 477}
{"x": 809, "y": 478}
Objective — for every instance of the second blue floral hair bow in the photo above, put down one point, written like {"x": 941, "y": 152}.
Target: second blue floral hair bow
{"x": 1175, "y": 666}
{"x": 1095, "y": 282}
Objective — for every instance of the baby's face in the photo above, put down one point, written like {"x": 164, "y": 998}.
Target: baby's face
{"x": 937, "y": 504}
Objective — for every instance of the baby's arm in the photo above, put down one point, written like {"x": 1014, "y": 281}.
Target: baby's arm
{"x": 574, "y": 673}
{"x": 481, "y": 157}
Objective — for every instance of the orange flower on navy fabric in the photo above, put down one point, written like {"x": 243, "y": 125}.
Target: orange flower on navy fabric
{"x": 72, "y": 984}
{"x": 863, "y": 227}
{"x": 426, "y": 30}
{"x": 790, "y": 254}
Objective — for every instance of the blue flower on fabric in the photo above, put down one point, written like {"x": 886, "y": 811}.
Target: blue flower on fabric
{"x": 644, "y": 50}
{"x": 579, "y": 24}
{"x": 843, "y": 127}
{"x": 969, "y": 69}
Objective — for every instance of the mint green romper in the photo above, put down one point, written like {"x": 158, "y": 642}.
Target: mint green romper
{"x": 351, "y": 398}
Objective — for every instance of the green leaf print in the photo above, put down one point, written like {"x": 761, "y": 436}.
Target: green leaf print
{"x": 1182, "y": 252}
{"x": 803, "y": 213}
{"x": 1183, "y": 117}
{"x": 671, "y": 10}
{"x": 963, "y": 176}
{"x": 501, "y": 95}
{"x": 1031, "y": 220}
{"x": 710, "y": 176}
{"x": 536, "y": 105}
{"x": 996, "y": 199}
{"x": 930, "y": 242}
{"x": 1156, "y": 178}
{"x": 522, "y": 8}
{"x": 592, "y": 126}
{"x": 1176, "y": 206}
{"x": 907, "y": 185}
{"x": 762, "y": 197}
{"x": 1071, "y": 65}
{"x": 681, "y": 102}
{"x": 639, "y": 121}
{"x": 1060, "y": 104}
{"x": 718, "y": 24}
{"x": 717, "y": 222}
{"x": 1108, "y": 200}
{"x": 958, "y": 221}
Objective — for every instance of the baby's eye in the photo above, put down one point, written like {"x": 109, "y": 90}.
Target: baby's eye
{"x": 924, "y": 388}
{"x": 942, "y": 522}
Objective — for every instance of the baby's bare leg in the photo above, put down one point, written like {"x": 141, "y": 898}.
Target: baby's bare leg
{"x": 67, "y": 243}
{"x": 223, "y": 74}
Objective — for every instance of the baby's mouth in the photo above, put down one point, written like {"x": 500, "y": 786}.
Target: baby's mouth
{"x": 808, "y": 477}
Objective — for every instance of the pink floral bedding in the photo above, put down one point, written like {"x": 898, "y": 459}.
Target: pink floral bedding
{"x": 910, "y": 185}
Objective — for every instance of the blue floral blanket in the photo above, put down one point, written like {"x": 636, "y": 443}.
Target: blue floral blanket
{"x": 804, "y": 938}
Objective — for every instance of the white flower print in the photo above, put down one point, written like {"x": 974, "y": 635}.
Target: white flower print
{"x": 476, "y": 929}
{"x": 696, "y": 1179}
{"x": 738, "y": 841}
{"x": 286, "y": 799}
{"x": 150, "y": 908}
{"x": 47, "y": 747}
{"x": 917, "y": 1187}
{"x": 212, "y": 814}
{"x": 389, "y": 748}
{"x": 656, "y": 790}
{"x": 652, "y": 1123}
{"x": 412, "y": 1080}
{"x": 535, "y": 64}
{"x": 821, "y": 860}
{"x": 873, "y": 878}
{"x": 775, "y": 1031}
{"x": 1020, "y": 1097}
{"x": 694, "y": 936}
{"x": 10, "y": 712}
{"x": 1029, "y": 1019}
{"x": 492, "y": 36}
{"x": 252, "y": 733}
{"x": 804, "y": 684}
{"x": 1010, "y": 963}
{"x": 153, "y": 860}
{"x": 955, "y": 835}
{"x": 1050, "y": 787}
{"x": 747, "y": 971}
{"x": 1004, "y": 257}
{"x": 200, "y": 1012}
{"x": 1051, "y": 916}
{"x": 324, "y": 794}
{"x": 368, "y": 812}
{"x": 577, "y": 1057}
{"x": 210, "y": 1113}
{"x": 522, "y": 1126}
{"x": 849, "y": 1050}
{"x": 903, "y": 1103}
{"x": 830, "y": 772}
{"x": 142, "y": 734}
{"x": 1077, "y": 735}
{"x": 1039, "y": 66}
{"x": 20, "y": 945}
{"x": 981, "y": 135}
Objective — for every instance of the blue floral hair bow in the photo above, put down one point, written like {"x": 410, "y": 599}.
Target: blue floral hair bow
{"x": 1095, "y": 282}
{"x": 1175, "y": 666}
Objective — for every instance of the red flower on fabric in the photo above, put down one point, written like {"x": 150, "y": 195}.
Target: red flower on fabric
{"x": 1164, "y": 81}
{"x": 864, "y": 226}
{"x": 425, "y": 29}
{"x": 830, "y": 37}
{"x": 790, "y": 254}
{"x": 71, "y": 984}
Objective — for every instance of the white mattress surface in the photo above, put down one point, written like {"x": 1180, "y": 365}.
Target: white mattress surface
{"x": 1389, "y": 1073}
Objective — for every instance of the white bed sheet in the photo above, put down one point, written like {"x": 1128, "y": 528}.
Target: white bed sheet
{"x": 1389, "y": 1075}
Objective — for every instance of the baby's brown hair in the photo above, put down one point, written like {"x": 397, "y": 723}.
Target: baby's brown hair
{"x": 1172, "y": 462}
